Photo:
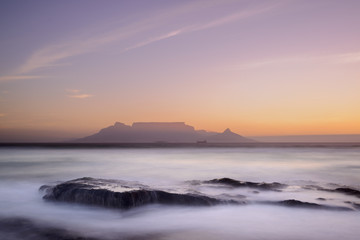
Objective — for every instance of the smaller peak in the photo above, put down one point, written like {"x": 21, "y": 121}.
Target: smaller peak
{"x": 227, "y": 130}
{"x": 119, "y": 125}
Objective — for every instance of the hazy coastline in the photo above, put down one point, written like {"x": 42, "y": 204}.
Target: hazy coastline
{"x": 183, "y": 145}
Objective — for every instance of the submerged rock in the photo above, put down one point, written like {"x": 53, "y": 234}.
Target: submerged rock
{"x": 342, "y": 190}
{"x": 17, "y": 228}
{"x": 348, "y": 191}
{"x": 356, "y": 205}
{"x": 125, "y": 195}
{"x": 114, "y": 194}
{"x": 297, "y": 203}
{"x": 275, "y": 186}
{"x": 24, "y": 229}
{"x": 300, "y": 204}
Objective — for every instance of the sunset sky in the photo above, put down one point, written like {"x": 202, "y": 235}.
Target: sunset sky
{"x": 282, "y": 67}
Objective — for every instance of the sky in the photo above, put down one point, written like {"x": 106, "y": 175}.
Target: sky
{"x": 274, "y": 67}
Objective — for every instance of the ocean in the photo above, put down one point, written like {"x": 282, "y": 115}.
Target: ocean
{"x": 310, "y": 174}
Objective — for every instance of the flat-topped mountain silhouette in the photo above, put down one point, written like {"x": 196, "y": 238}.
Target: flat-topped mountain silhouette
{"x": 150, "y": 132}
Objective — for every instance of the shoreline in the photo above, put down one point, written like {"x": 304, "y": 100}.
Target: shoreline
{"x": 183, "y": 145}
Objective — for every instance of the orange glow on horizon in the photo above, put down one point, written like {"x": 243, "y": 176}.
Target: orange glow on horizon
{"x": 259, "y": 68}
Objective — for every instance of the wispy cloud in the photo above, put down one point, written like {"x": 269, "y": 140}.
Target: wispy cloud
{"x": 247, "y": 13}
{"x": 212, "y": 24}
{"x": 76, "y": 93}
{"x": 2, "y": 114}
{"x": 348, "y": 58}
{"x": 334, "y": 59}
{"x": 52, "y": 55}
{"x": 72, "y": 90}
{"x": 18, "y": 77}
{"x": 80, "y": 96}
{"x": 155, "y": 39}
{"x": 266, "y": 62}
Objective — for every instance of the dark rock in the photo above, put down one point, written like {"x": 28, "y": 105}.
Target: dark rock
{"x": 297, "y": 203}
{"x": 348, "y": 191}
{"x": 356, "y": 205}
{"x": 88, "y": 191}
{"x": 24, "y": 229}
{"x": 353, "y": 204}
{"x": 300, "y": 204}
{"x": 275, "y": 186}
{"x": 314, "y": 187}
{"x": 343, "y": 190}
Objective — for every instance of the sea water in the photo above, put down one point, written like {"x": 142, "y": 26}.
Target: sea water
{"x": 23, "y": 170}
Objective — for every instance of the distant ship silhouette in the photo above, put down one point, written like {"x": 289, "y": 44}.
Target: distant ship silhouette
{"x": 161, "y": 132}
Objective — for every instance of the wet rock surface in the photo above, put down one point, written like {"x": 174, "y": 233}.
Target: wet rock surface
{"x": 24, "y": 229}
{"x": 126, "y": 195}
{"x": 300, "y": 204}
{"x": 27, "y": 229}
{"x": 348, "y": 191}
{"x": 356, "y": 205}
{"x": 122, "y": 197}
{"x": 275, "y": 186}
{"x": 343, "y": 190}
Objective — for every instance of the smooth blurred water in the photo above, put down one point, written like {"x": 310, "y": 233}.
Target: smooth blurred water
{"x": 24, "y": 170}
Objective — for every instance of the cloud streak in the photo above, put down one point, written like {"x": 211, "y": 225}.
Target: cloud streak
{"x": 80, "y": 96}
{"x": 76, "y": 93}
{"x": 155, "y": 39}
{"x": 18, "y": 77}
{"x": 334, "y": 59}
{"x": 52, "y": 55}
{"x": 348, "y": 58}
{"x": 212, "y": 24}
{"x": 234, "y": 17}
{"x": 72, "y": 90}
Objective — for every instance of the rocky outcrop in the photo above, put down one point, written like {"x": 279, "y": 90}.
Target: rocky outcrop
{"x": 25, "y": 229}
{"x": 93, "y": 192}
{"x": 300, "y": 204}
{"x": 343, "y": 190}
{"x": 126, "y": 195}
{"x": 275, "y": 186}
{"x": 348, "y": 191}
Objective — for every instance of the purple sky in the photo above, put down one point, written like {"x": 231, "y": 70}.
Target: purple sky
{"x": 280, "y": 67}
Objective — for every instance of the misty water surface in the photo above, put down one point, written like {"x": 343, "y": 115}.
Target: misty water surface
{"x": 24, "y": 170}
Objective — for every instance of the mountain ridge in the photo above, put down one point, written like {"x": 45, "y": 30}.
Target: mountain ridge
{"x": 150, "y": 132}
